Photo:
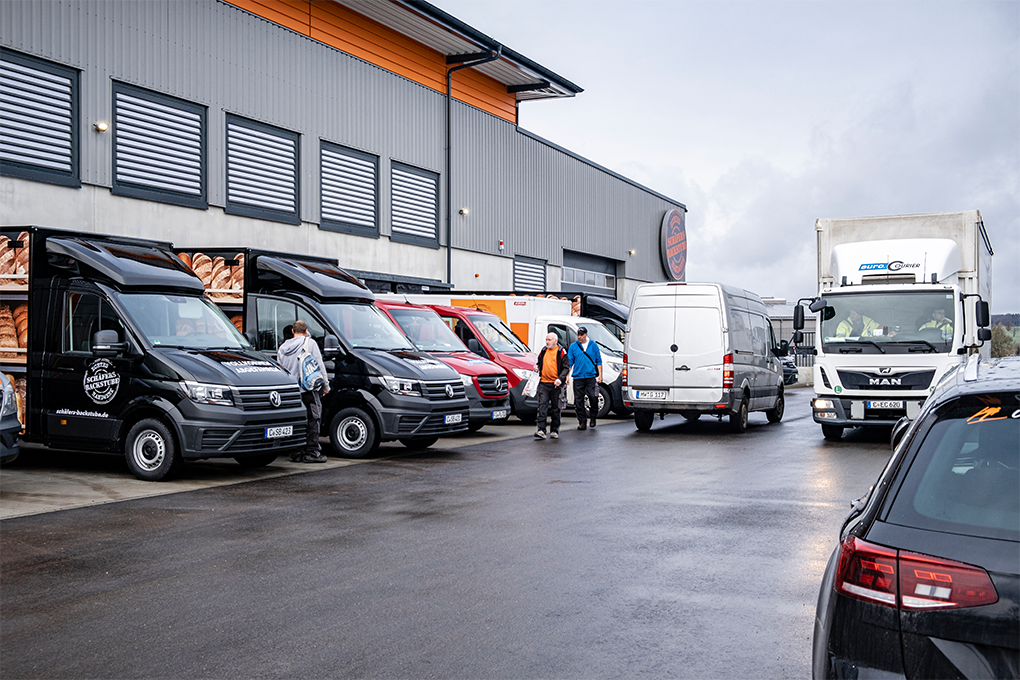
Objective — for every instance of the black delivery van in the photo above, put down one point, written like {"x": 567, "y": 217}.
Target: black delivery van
{"x": 382, "y": 388}
{"x": 118, "y": 348}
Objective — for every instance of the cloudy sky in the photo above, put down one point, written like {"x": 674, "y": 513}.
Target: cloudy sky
{"x": 763, "y": 116}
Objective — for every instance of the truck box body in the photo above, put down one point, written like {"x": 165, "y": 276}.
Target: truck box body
{"x": 901, "y": 294}
{"x": 174, "y": 381}
{"x": 382, "y": 387}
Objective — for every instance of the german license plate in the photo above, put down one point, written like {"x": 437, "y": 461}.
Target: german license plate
{"x": 650, "y": 394}
{"x": 499, "y": 415}
{"x": 885, "y": 404}
{"x": 452, "y": 419}
{"x": 277, "y": 432}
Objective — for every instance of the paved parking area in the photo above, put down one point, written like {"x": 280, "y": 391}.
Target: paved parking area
{"x": 44, "y": 480}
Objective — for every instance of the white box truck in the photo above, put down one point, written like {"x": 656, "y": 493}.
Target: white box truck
{"x": 902, "y": 299}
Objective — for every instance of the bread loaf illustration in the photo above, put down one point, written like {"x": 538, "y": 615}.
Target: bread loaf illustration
{"x": 185, "y": 258}
{"x": 238, "y": 322}
{"x": 202, "y": 264}
{"x": 237, "y": 277}
{"x": 20, "y": 392}
{"x": 21, "y": 324}
{"x": 220, "y": 278}
{"x": 21, "y": 260}
{"x": 8, "y": 332}
{"x": 7, "y": 257}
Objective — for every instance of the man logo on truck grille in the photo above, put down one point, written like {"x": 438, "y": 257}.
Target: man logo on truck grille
{"x": 101, "y": 381}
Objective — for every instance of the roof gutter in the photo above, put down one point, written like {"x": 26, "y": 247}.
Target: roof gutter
{"x": 462, "y": 61}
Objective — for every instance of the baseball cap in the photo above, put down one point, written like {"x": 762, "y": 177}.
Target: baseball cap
{"x": 581, "y": 330}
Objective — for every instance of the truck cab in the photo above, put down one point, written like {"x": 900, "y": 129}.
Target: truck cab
{"x": 124, "y": 352}
{"x": 382, "y": 388}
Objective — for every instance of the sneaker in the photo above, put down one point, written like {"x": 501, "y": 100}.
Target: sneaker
{"x": 309, "y": 458}
{"x": 555, "y": 435}
{"x": 591, "y": 424}
{"x": 298, "y": 458}
{"x": 582, "y": 426}
{"x": 540, "y": 434}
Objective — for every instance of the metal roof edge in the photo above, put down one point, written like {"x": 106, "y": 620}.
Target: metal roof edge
{"x": 471, "y": 33}
{"x": 553, "y": 145}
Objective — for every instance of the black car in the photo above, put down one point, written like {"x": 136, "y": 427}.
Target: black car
{"x": 790, "y": 373}
{"x": 925, "y": 582}
{"x": 10, "y": 426}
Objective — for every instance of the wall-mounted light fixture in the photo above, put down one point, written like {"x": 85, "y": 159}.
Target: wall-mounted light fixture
{"x": 101, "y": 126}
{"x": 463, "y": 211}
{"x": 632, "y": 252}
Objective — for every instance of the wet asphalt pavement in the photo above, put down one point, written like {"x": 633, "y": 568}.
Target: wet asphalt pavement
{"x": 685, "y": 552}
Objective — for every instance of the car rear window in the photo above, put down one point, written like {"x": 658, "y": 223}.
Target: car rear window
{"x": 965, "y": 477}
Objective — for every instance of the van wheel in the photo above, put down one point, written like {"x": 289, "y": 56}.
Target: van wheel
{"x": 832, "y": 432}
{"x": 419, "y": 443}
{"x": 150, "y": 451}
{"x": 261, "y": 460}
{"x": 775, "y": 414}
{"x": 605, "y": 403}
{"x": 644, "y": 420}
{"x": 691, "y": 416}
{"x": 352, "y": 433}
{"x": 738, "y": 420}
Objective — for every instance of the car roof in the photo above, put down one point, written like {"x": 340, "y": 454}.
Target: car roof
{"x": 979, "y": 376}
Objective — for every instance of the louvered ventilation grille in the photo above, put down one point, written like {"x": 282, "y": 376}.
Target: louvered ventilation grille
{"x": 415, "y": 209}
{"x": 529, "y": 275}
{"x": 158, "y": 146}
{"x": 36, "y": 117}
{"x": 261, "y": 169}
{"x": 348, "y": 189}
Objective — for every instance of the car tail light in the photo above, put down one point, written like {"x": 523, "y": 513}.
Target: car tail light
{"x": 867, "y": 572}
{"x": 934, "y": 583}
{"x": 727, "y": 371}
{"x": 624, "y": 372}
{"x": 894, "y": 578}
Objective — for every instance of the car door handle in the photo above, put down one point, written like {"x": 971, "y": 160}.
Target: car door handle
{"x": 683, "y": 368}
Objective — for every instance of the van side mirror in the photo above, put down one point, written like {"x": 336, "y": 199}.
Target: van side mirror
{"x": 784, "y": 348}
{"x": 330, "y": 347}
{"x": 107, "y": 344}
{"x": 798, "y": 337}
{"x": 250, "y": 337}
{"x": 475, "y": 346}
{"x": 981, "y": 316}
{"x": 798, "y": 317}
{"x": 899, "y": 429}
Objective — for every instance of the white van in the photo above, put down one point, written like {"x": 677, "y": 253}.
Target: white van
{"x": 701, "y": 348}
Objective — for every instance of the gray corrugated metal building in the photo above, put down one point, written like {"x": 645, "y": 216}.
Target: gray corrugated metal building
{"x": 237, "y": 124}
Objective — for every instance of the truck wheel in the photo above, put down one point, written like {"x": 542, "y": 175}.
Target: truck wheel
{"x": 644, "y": 420}
{"x": 352, "y": 433}
{"x": 832, "y": 432}
{"x": 691, "y": 416}
{"x": 150, "y": 451}
{"x": 261, "y": 460}
{"x": 775, "y": 414}
{"x": 605, "y": 403}
{"x": 419, "y": 443}
{"x": 738, "y": 420}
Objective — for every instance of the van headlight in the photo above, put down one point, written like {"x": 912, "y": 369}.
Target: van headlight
{"x": 614, "y": 366}
{"x": 203, "y": 393}
{"x": 467, "y": 380}
{"x": 523, "y": 373}
{"x": 404, "y": 386}
{"x": 10, "y": 403}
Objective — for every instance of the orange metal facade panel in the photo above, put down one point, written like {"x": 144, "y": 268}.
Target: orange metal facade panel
{"x": 361, "y": 37}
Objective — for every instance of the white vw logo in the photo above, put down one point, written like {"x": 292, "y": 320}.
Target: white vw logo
{"x": 274, "y": 399}
{"x": 449, "y": 391}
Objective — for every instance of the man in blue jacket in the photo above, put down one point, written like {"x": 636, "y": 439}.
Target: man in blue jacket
{"x": 586, "y": 368}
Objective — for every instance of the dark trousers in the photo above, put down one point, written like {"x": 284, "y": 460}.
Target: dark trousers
{"x": 313, "y": 418}
{"x": 548, "y": 405}
{"x": 590, "y": 387}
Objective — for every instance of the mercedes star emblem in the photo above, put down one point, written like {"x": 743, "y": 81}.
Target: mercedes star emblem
{"x": 274, "y": 399}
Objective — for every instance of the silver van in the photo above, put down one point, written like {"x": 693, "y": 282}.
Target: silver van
{"x": 701, "y": 348}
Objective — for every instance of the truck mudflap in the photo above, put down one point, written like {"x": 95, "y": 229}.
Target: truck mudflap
{"x": 845, "y": 411}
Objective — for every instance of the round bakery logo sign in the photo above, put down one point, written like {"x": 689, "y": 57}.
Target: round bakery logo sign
{"x": 101, "y": 381}
{"x": 674, "y": 244}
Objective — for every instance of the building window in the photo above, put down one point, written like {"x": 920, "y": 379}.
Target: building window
{"x": 262, "y": 171}
{"x": 38, "y": 120}
{"x": 529, "y": 274}
{"x": 349, "y": 194}
{"x": 415, "y": 206}
{"x": 159, "y": 147}
{"x": 587, "y": 278}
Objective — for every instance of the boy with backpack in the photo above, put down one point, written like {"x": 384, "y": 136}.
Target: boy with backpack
{"x": 301, "y": 358}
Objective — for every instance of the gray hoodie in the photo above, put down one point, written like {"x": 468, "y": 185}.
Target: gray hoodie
{"x": 291, "y": 349}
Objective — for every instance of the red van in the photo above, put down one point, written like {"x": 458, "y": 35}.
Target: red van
{"x": 485, "y": 383}
{"x": 487, "y": 336}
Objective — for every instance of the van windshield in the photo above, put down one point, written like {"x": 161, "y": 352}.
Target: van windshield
{"x": 495, "y": 332}
{"x": 365, "y": 326}
{"x": 886, "y": 322}
{"x": 184, "y": 321}
{"x": 604, "y": 338}
{"x": 429, "y": 332}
